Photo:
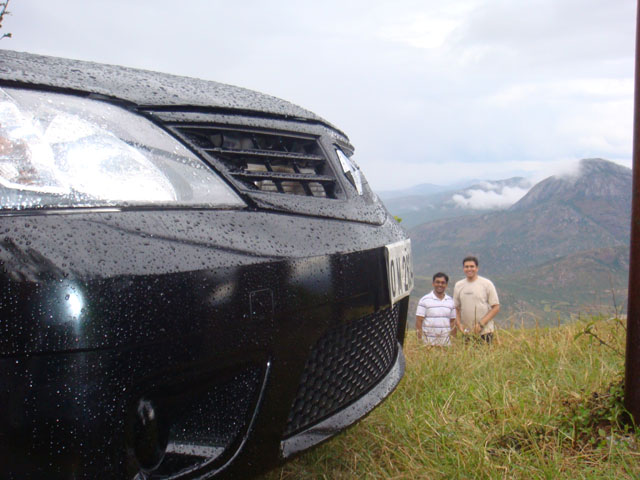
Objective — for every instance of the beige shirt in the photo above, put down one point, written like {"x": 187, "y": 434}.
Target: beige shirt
{"x": 474, "y": 300}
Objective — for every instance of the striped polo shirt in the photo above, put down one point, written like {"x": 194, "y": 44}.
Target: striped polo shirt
{"x": 436, "y": 326}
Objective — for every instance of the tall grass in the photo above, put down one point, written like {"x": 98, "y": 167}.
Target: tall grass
{"x": 537, "y": 404}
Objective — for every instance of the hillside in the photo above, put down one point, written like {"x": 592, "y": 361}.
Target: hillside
{"x": 541, "y": 237}
{"x": 585, "y": 283}
{"x": 508, "y": 241}
{"x": 582, "y": 284}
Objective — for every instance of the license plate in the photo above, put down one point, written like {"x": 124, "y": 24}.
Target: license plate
{"x": 399, "y": 269}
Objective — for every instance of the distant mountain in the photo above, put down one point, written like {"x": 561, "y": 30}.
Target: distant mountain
{"x": 540, "y": 235}
{"x": 423, "y": 189}
{"x": 479, "y": 197}
{"x": 601, "y": 191}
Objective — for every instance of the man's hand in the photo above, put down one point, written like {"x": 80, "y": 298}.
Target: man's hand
{"x": 487, "y": 318}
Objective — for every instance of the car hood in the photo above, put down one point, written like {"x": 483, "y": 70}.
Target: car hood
{"x": 141, "y": 87}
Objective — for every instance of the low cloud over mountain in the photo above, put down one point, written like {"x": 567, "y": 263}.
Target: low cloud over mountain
{"x": 491, "y": 195}
{"x": 480, "y": 196}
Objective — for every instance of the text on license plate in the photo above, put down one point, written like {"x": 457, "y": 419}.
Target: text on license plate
{"x": 399, "y": 269}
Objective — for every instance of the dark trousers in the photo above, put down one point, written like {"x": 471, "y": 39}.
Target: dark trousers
{"x": 486, "y": 338}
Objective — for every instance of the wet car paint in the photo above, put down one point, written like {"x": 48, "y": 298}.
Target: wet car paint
{"x": 141, "y": 87}
{"x": 205, "y": 318}
{"x": 54, "y": 265}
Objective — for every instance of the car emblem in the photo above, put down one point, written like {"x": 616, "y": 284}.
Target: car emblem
{"x": 351, "y": 170}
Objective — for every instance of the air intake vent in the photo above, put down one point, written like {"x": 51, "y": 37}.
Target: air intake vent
{"x": 267, "y": 162}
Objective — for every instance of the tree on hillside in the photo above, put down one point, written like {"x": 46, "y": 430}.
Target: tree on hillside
{"x": 3, "y": 12}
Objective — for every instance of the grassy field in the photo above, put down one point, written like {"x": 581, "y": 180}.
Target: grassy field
{"x": 538, "y": 404}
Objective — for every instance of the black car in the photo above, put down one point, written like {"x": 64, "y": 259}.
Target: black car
{"x": 197, "y": 280}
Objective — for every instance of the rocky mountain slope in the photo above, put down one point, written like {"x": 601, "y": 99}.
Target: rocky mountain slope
{"x": 582, "y": 284}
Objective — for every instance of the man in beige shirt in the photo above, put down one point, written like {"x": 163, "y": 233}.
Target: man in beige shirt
{"x": 476, "y": 302}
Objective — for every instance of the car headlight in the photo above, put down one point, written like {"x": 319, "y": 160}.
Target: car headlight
{"x": 65, "y": 151}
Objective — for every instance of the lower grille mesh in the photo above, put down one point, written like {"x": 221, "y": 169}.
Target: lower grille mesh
{"x": 343, "y": 365}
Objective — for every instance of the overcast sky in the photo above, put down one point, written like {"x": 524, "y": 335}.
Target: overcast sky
{"x": 429, "y": 91}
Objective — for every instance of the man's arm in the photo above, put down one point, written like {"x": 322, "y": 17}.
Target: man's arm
{"x": 452, "y": 323}
{"x": 419, "y": 320}
{"x": 487, "y": 318}
{"x": 457, "y": 304}
{"x": 458, "y": 321}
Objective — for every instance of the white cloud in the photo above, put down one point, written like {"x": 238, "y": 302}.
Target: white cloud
{"x": 548, "y": 33}
{"x": 589, "y": 89}
{"x": 496, "y": 198}
{"x": 421, "y": 31}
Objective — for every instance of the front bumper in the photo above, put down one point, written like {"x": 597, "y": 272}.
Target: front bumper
{"x": 232, "y": 325}
{"x": 342, "y": 419}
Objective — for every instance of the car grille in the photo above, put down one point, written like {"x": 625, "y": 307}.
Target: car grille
{"x": 279, "y": 163}
{"x": 344, "y": 364}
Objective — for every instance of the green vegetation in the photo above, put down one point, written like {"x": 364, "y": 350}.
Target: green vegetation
{"x": 540, "y": 403}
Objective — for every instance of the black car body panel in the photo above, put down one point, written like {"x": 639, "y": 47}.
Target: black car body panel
{"x": 147, "y": 342}
{"x": 143, "y": 88}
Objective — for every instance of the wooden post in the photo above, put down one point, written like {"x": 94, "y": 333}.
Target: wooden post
{"x": 632, "y": 361}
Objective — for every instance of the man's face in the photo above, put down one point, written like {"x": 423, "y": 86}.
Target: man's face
{"x": 439, "y": 286}
{"x": 470, "y": 269}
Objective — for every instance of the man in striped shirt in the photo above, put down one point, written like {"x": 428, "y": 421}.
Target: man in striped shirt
{"x": 436, "y": 313}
